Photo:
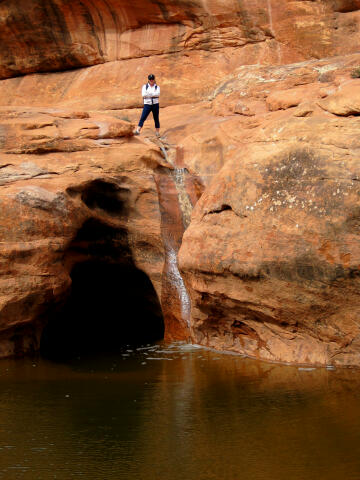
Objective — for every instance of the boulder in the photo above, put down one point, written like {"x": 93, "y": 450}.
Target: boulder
{"x": 345, "y": 101}
{"x": 272, "y": 256}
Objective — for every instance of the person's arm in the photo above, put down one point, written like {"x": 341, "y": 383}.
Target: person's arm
{"x": 145, "y": 92}
{"x": 157, "y": 93}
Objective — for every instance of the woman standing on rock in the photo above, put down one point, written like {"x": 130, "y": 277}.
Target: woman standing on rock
{"x": 150, "y": 93}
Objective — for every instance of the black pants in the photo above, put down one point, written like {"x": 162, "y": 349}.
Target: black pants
{"x": 145, "y": 113}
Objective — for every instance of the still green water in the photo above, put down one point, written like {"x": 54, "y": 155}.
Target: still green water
{"x": 172, "y": 412}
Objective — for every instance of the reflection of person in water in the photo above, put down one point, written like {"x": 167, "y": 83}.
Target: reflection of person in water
{"x": 150, "y": 93}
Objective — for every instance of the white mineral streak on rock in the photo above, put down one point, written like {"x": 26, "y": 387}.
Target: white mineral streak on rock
{"x": 103, "y": 129}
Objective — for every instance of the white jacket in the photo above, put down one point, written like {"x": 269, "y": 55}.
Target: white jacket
{"x": 151, "y": 94}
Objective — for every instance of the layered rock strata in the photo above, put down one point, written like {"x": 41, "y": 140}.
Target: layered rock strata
{"x": 43, "y": 36}
{"x": 270, "y": 257}
{"x": 100, "y": 204}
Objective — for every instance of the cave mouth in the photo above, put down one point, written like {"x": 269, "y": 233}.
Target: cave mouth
{"x": 109, "y": 306}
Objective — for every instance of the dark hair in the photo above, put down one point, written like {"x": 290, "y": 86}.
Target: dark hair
{"x": 151, "y": 77}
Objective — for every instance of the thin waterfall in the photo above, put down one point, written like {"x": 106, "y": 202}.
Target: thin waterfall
{"x": 175, "y": 208}
{"x": 178, "y": 281}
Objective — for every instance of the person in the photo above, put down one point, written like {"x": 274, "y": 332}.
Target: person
{"x": 151, "y": 94}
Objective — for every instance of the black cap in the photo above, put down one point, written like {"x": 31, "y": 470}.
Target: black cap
{"x": 151, "y": 77}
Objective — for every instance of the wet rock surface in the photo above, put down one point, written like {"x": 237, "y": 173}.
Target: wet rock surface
{"x": 265, "y": 134}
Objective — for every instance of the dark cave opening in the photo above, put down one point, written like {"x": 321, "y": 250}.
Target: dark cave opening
{"x": 110, "y": 305}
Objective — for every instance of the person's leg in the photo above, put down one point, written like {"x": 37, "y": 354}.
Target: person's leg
{"x": 144, "y": 115}
{"x": 155, "y": 111}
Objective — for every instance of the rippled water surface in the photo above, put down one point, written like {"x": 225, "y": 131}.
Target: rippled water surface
{"x": 171, "y": 412}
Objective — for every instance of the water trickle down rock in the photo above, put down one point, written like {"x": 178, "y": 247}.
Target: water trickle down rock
{"x": 175, "y": 207}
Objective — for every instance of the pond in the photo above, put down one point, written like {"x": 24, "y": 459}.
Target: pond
{"x": 177, "y": 412}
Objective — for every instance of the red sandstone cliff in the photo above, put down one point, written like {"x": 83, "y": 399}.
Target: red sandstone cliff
{"x": 260, "y": 109}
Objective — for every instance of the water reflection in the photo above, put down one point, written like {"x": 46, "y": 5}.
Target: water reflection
{"x": 177, "y": 412}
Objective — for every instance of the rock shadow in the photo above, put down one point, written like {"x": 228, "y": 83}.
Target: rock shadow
{"x": 111, "y": 302}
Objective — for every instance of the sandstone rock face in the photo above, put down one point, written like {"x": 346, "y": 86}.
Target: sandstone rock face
{"x": 345, "y": 102}
{"x": 99, "y": 204}
{"x": 256, "y": 124}
{"x": 58, "y": 35}
{"x": 272, "y": 255}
